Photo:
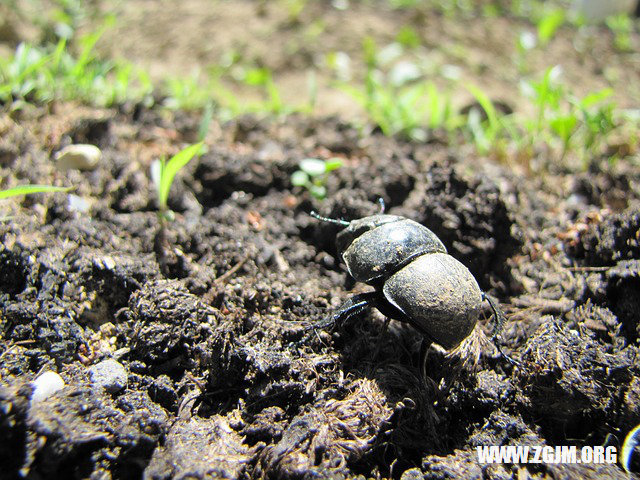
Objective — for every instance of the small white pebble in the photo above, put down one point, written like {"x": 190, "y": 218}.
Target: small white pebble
{"x": 108, "y": 263}
{"x": 80, "y": 156}
{"x": 78, "y": 204}
{"x": 109, "y": 374}
{"x": 46, "y": 385}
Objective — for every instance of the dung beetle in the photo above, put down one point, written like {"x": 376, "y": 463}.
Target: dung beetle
{"x": 415, "y": 280}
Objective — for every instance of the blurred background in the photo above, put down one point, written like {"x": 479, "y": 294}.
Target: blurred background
{"x": 501, "y": 73}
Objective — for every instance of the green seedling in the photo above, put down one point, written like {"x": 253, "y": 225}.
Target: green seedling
{"x": 313, "y": 175}
{"x": 188, "y": 92}
{"x": 549, "y": 24}
{"x": 407, "y": 109}
{"x": 485, "y": 133}
{"x": 397, "y": 98}
{"x": 622, "y": 28}
{"x": 163, "y": 172}
{"x": 205, "y": 121}
{"x": 30, "y": 189}
{"x": 408, "y": 37}
{"x": 546, "y": 95}
{"x": 564, "y": 126}
{"x": 262, "y": 77}
{"x": 597, "y": 118}
{"x": 525, "y": 42}
{"x": 402, "y": 4}
{"x": 37, "y": 74}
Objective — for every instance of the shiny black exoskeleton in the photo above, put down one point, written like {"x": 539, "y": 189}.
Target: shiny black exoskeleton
{"x": 415, "y": 279}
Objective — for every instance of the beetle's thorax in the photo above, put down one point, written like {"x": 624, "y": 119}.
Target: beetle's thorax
{"x": 359, "y": 226}
{"x": 375, "y": 247}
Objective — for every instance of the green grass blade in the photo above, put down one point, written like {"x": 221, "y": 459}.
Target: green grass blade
{"x": 487, "y": 105}
{"x": 205, "y": 121}
{"x": 594, "y": 98}
{"x": 548, "y": 25}
{"x": 28, "y": 189}
{"x": 173, "y": 166}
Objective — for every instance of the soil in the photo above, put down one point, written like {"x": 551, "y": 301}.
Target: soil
{"x": 224, "y": 377}
{"x": 210, "y": 314}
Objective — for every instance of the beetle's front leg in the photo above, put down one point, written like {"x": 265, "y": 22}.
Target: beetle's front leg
{"x": 353, "y": 306}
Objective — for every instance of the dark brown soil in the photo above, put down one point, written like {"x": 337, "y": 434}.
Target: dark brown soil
{"x": 223, "y": 379}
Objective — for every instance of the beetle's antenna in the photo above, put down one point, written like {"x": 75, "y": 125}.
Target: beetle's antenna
{"x": 343, "y": 223}
{"x": 382, "y": 205}
{"x": 498, "y": 323}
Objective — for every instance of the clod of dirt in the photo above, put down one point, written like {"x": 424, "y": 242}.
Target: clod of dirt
{"x": 616, "y": 238}
{"x": 623, "y": 292}
{"x": 200, "y": 448}
{"x": 470, "y": 217}
{"x": 599, "y": 320}
{"x": 95, "y": 129}
{"x": 165, "y": 321}
{"x": 14, "y": 270}
{"x": 322, "y": 441}
{"x": 465, "y": 465}
{"x": 266, "y": 425}
{"x": 576, "y": 385}
{"x": 255, "y": 270}
{"x": 14, "y": 405}
{"x": 220, "y": 173}
{"x": 78, "y": 431}
{"x": 615, "y": 243}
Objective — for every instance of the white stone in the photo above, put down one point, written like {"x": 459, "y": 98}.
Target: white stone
{"x": 109, "y": 374}
{"x": 80, "y": 156}
{"x": 46, "y": 385}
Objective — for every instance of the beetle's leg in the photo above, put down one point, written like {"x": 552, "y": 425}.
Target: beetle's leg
{"x": 498, "y": 322}
{"x": 353, "y": 306}
{"x": 424, "y": 348}
{"x": 383, "y": 332}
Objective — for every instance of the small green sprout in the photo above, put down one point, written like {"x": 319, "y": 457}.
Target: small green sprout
{"x": 313, "y": 175}
{"x": 622, "y": 28}
{"x": 485, "y": 134}
{"x": 29, "y": 189}
{"x": 163, "y": 172}
{"x": 548, "y": 25}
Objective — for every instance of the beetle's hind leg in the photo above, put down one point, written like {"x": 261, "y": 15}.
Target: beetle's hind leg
{"x": 498, "y": 323}
{"x": 425, "y": 344}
